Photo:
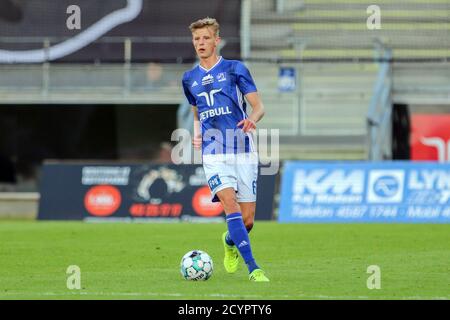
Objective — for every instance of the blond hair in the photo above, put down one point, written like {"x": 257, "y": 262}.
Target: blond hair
{"x": 205, "y": 23}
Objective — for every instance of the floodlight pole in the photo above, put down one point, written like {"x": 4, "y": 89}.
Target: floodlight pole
{"x": 246, "y": 12}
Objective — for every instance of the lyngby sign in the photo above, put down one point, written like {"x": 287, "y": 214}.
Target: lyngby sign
{"x": 365, "y": 192}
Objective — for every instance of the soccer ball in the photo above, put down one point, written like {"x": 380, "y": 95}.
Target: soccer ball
{"x": 196, "y": 265}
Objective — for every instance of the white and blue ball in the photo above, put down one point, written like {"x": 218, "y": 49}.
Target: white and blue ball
{"x": 196, "y": 265}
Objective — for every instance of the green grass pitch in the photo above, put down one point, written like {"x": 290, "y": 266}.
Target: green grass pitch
{"x": 303, "y": 261}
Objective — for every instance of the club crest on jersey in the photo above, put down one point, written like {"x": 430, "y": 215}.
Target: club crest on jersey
{"x": 208, "y": 79}
{"x": 209, "y": 96}
{"x": 221, "y": 77}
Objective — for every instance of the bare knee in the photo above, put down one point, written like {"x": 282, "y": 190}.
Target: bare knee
{"x": 248, "y": 214}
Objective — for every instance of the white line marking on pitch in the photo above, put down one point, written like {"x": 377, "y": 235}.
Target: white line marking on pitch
{"x": 218, "y": 295}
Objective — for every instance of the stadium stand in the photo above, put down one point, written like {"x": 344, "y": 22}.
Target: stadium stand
{"x": 326, "y": 42}
{"x": 337, "y": 29}
{"x": 333, "y": 96}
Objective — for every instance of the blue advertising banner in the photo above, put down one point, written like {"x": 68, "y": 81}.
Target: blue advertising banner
{"x": 398, "y": 191}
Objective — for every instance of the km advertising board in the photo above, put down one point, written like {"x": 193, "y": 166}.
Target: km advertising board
{"x": 365, "y": 192}
{"x": 136, "y": 192}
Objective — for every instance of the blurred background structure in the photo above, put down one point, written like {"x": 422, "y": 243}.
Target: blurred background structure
{"x": 335, "y": 84}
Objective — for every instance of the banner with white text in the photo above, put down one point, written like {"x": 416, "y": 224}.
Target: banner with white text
{"x": 136, "y": 192}
{"x": 365, "y": 192}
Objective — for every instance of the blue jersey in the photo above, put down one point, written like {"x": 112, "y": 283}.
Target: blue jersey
{"x": 218, "y": 94}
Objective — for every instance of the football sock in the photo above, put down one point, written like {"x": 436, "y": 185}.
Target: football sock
{"x": 228, "y": 238}
{"x": 239, "y": 235}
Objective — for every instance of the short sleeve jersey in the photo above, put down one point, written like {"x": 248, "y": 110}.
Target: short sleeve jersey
{"x": 218, "y": 94}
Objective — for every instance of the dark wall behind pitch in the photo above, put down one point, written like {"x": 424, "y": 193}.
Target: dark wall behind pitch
{"x": 401, "y": 129}
{"x": 31, "y": 134}
{"x": 159, "y": 33}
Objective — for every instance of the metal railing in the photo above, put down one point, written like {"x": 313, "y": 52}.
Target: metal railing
{"x": 137, "y": 83}
{"x": 53, "y": 49}
{"x": 379, "y": 116}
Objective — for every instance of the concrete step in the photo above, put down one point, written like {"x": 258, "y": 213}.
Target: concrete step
{"x": 19, "y": 205}
{"x": 265, "y": 69}
{"x": 352, "y": 15}
{"x": 350, "y": 53}
{"x": 323, "y": 152}
{"x": 282, "y": 112}
{"x": 349, "y": 41}
{"x": 335, "y": 5}
{"x": 263, "y": 6}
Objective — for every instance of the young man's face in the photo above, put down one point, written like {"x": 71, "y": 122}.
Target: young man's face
{"x": 205, "y": 42}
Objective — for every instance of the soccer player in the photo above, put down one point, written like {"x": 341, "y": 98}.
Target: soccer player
{"x": 216, "y": 88}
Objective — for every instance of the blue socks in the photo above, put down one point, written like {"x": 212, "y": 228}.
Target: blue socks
{"x": 228, "y": 240}
{"x": 228, "y": 237}
{"x": 239, "y": 235}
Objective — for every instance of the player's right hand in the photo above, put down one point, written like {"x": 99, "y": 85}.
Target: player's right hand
{"x": 197, "y": 142}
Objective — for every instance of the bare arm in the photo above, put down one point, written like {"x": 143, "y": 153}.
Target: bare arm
{"x": 257, "y": 112}
{"x": 197, "y": 139}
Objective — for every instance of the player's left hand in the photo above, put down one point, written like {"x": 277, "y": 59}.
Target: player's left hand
{"x": 247, "y": 125}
